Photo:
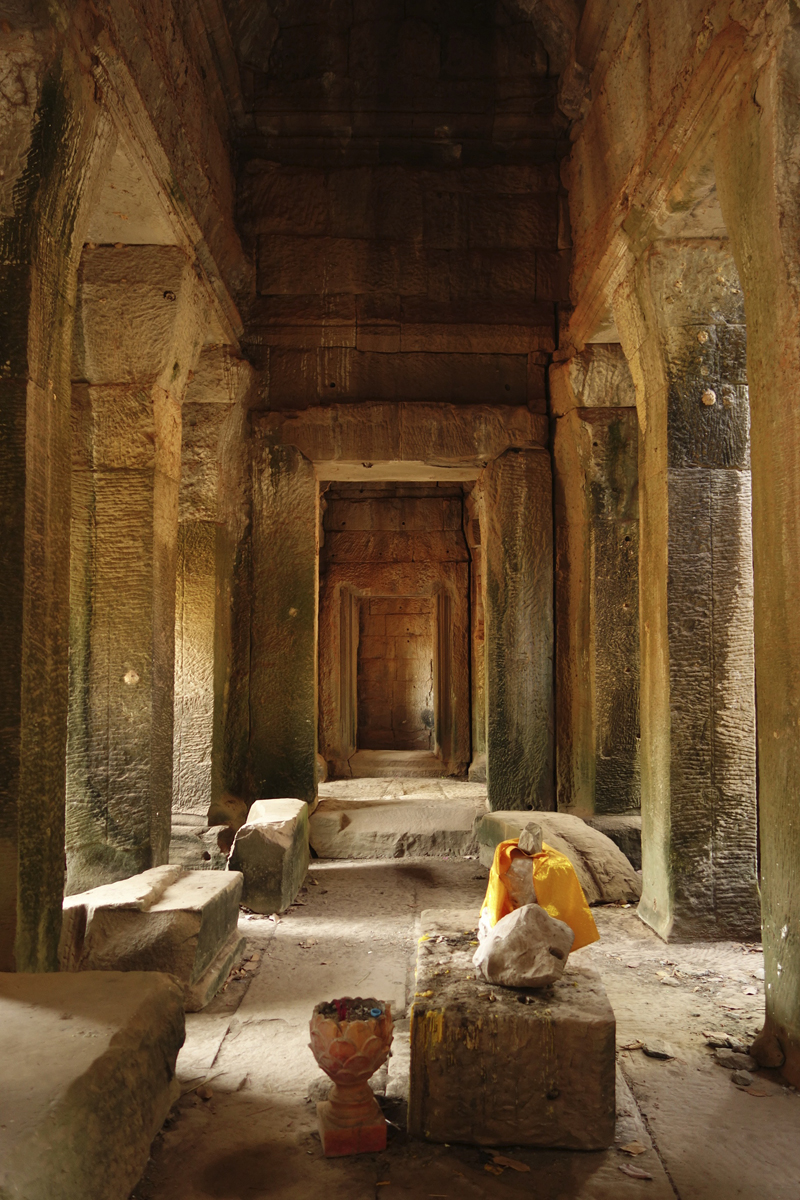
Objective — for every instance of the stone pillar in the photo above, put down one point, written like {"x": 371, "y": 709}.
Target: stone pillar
{"x": 681, "y": 320}
{"x": 53, "y": 147}
{"x": 473, "y": 506}
{"x": 597, "y": 582}
{"x": 208, "y": 758}
{"x": 137, "y": 339}
{"x": 518, "y": 610}
{"x": 756, "y": 171}
{"x": 283, "y": 630}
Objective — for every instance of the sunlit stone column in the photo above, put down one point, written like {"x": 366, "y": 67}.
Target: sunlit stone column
{"x": 211, "y": 670}
{"x": 597, "y": 582}
{"x": 137, "y": 340}
{"x": 681, "y": 321}
{"x": 756, "y": 169}
{"x": 517, "y": 540}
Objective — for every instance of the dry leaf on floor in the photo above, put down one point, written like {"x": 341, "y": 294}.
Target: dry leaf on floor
{"x": 634, "y": 1172}
{"x": 500, "y": 1160}
{"x": 493, "y": 1169}
{"x": 632, "y": 1046}
{"x": 633, "y": 1148}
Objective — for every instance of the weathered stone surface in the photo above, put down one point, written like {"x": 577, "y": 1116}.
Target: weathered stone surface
{"x": 605, "y": 874}
{"x": 625, "y": 831}
{"x": 755, "y": 169}
{"x": 89, "y": 1065}
{"x": 697, "y": 691}
{"x": 598, "y": 377}
{"x": 338, "y": 438}
{"x": 283, "y": 627}
{"x": 517, "y": 538}
{"x": 525, "y": 949}
{"x": 162, "y": 920}
{"x": 271, "y": 851}
{"x": 395, "y": 818}
{"x": 54, "y": 147}
{"x": 500, "y": 1072}
{"x": 135, "y": 347}
{"x": 597, "y": 601}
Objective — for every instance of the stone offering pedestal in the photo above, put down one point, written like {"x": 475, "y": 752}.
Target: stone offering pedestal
{"x": 350, "y": 1052}
{"x": 499, "y": 1066}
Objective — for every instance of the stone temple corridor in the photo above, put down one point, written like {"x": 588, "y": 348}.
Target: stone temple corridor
{"x": 399, "y": 446}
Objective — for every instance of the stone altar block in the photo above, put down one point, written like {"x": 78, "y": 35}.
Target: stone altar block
{"x": 502, "y": 1066}
{"x": 184, "y": 923}
{"x": 272, "y": 853}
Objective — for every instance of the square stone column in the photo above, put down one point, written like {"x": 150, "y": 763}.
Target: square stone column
{"x": 756, "y": 173}
{"x": 518, "y": 612}
{"x": 597, "y": 582}
{"x": 54, "y": 145}
{"x": 283, "y": 626}
{"x": 681, "y": 320}
{"x": 211, "y": 663}
{"x": 138, "y": 339}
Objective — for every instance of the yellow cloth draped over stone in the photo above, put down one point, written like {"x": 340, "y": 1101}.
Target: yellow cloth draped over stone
{"x": 557, "y": 889}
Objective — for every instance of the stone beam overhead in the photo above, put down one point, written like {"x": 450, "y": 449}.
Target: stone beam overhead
{"x": 409, "y": 441}
{"x": 177, "y": 136}
{"x": 644, "y": 127}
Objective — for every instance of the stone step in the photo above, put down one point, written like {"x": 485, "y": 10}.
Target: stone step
{"x": 380, "y": 818}
{"x": 88, "y": 1078}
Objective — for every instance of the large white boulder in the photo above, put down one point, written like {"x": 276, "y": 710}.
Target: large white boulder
{"x": 528, "y": 948}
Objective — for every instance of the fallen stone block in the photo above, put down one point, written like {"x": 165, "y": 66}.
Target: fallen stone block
{"x": 506, "y": 1066}
{"x": 167, "y": 919}
{"x": 604, "y": 873}
{"x": 393, "y": 828}
{"x": 88, "y": 1078}
{"x": 271, "y": 851}
{"x": 527, "y": 948}
{"x": 625, "y": 831}
{"x": 195, "y": 846}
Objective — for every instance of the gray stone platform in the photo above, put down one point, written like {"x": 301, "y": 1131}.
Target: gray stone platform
{"x": 502, "y": 1066}
{"x": 605, "y": 874}
{"x": 88, "y": 1065}
{"x": 391, "y": 818}
{"x": 166, "y": 919}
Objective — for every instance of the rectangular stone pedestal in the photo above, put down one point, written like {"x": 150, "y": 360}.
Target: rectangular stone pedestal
{"x": 88, "y": 1078}
{"x": 341, "y": 1140}
{"x": 271, "y": 851}
{"x": 166, "y": 919}
{"x": 506, "y": 1066}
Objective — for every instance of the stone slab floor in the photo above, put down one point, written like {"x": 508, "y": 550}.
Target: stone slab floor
{"x": 244, "y": 1127}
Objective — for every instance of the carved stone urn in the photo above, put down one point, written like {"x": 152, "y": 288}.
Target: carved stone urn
{"x": 350, "y": 1039}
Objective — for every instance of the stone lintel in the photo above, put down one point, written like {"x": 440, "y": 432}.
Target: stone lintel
{"x": 410, "y": 441}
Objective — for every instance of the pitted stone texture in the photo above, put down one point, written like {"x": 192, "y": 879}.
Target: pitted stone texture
{"x": 518, "y": 564}
{"x": 604, "y": 873}
{"x": 88, "y": 1069}
{"x": 500, "y": 1072}
{"x": 525, "y": 949}
{"x": 271, "y": 851}
{"x": 625, "y": 831}
{"x": 391, "y": 818}
{"x": 166, "y": 919}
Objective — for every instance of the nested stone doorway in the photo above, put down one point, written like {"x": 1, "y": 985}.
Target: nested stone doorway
{"x": 394, "y": 629}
